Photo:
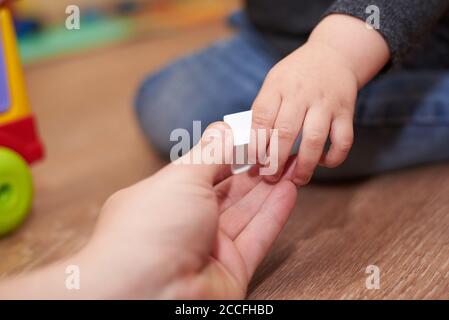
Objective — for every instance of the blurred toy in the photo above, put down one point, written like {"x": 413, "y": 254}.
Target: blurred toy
{"x": 43, "y": 33}
{"x": 19, "y": 143}
{"x": 27, "y": 26}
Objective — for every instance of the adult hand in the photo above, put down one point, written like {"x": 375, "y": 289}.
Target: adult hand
{"x": 190, "y": 231}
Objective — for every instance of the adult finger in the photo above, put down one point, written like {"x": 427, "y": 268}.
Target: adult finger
{"x": 256, "y": 239}
{"x": 210, "y": 160}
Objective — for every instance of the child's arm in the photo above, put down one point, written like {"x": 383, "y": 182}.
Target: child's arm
{"x": 363, "y": 51}
{"x": 314, "y": 89}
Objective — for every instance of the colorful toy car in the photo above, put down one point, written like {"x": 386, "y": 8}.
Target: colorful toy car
{"x": 19, "y": 143}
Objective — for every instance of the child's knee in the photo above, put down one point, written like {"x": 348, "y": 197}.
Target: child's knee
{"x": 161, "y": 108}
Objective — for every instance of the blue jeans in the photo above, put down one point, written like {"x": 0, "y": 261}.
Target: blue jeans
{"x": 401, "y": 120}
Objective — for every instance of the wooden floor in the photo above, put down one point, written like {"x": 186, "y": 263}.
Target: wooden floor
{"x": 398, "y": 222}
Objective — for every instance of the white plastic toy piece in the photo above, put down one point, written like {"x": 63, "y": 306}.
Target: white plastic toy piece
{"x": 240, "y": 124}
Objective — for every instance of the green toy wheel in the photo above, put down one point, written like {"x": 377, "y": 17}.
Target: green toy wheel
{"x": 16, "y": 190}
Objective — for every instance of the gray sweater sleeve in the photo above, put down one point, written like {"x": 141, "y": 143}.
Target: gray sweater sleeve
{"x": 403, "y": 23}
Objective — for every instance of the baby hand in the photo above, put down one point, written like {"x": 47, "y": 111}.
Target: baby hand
{"x": 313, "y": 90}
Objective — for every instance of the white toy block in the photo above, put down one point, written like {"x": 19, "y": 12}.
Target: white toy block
{"x": 240, "y": 124}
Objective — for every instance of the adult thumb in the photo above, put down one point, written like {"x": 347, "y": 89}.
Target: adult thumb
{"x": 210, "y": 160}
